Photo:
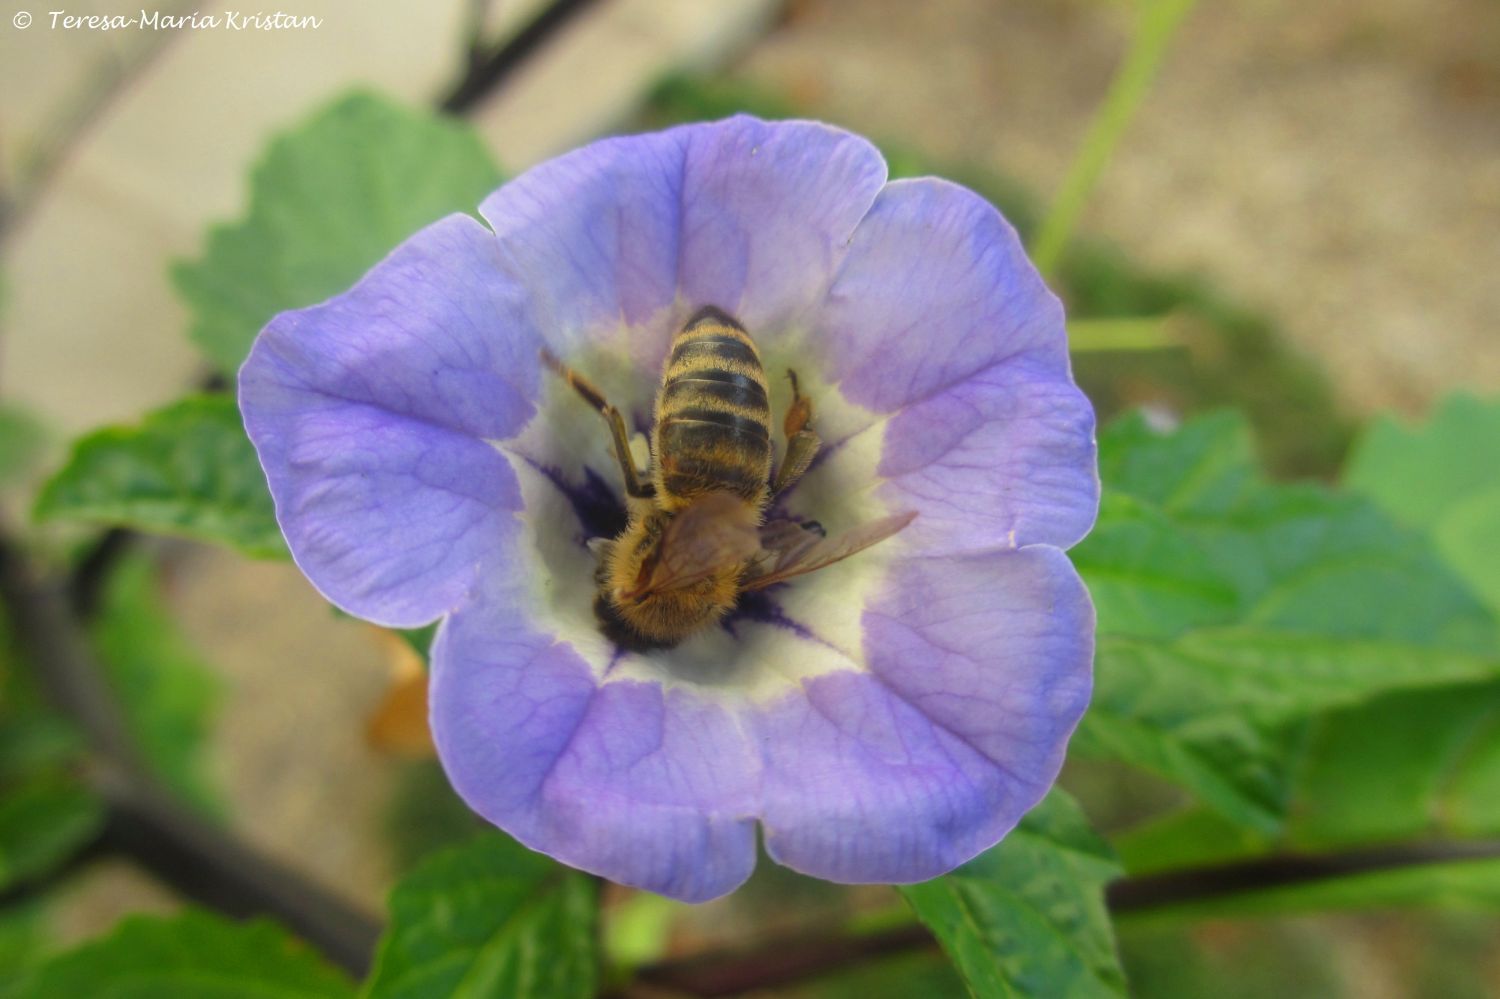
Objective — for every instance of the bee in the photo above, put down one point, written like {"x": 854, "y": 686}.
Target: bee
{"x": 695, "y": 539}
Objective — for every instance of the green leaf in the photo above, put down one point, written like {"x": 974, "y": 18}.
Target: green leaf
{"x": 329, "y": 199}
{"x": 1189, "y": 837}
{"x": 1402, "y": 766}
{"x": 1468, "y": 535}
{"x": 187, "y": 469}
{"x": 1148, "y": 577}
{"x": 1270, "y": 677}
{"x": 193, "y": 954}
{"x": 1027, "y": 918}
{"x": 1427, "y": 763}
{"x": 23, "y": 942}
{"x": 1203, "y": 467}
{"x": 1307, "y": 559}
{"x": 1232, "y": 609}
{"x": 43, "y": 821}
{"x": 1442, "y": 478}
{"x": 1230, "y": 764}
{"x": 489, "y": 918}
{"x": 167, "y": 694}
{"x": 32, "y": 739}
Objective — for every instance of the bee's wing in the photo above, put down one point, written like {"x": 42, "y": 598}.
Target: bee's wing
{"x": 716, "y": 531}
{"x": 803, "y": 556}
{"x": 783, "y": 542}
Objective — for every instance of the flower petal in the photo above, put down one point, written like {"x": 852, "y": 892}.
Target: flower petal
{"x": 647, "y": 786}
{"x": 1004, "y": 458}
{"x": 938, "y": 318}
{"x": 748, "y": 216}
{"x": 768, "y": 213}
{"x": 370, "y": 414}
{"x": 979, "y": 671}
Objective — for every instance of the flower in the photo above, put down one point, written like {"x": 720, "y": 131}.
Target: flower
{"x": 883, "y": 719}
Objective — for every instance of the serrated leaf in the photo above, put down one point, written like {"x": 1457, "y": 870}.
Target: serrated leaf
{"x": 1027, "y": 918}
{"x": 1442, "y": 477}
{"x": 1147, "y": 577}
{"x": 1416, "y": 471}
{"x": 1468, "y": 536}
{"x": 166, "y": 693}
{"x": 1399, "y": 767}
{"x": 1231, "y": 608}
{"x": 43, "y": 821}
{"x": 1423, "y": 764}
{"x": 187, "y": 469}
{"x": 1427, "y": 763}
{"x": 1235, "y": 767}
{"x": 1270, "y": 677}
{"x": 1203, "y": 467}
{"x": 193, "y": 954}
{"x": 330, "y": 199}
{"x": 1310, "y": 560}
{"x": 489, "y": 918}
{"x": 1190, "y": 837}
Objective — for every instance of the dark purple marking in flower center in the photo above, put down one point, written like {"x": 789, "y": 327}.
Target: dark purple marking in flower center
{"x": 598, "y": 508}
{"x": 759, "y": 607}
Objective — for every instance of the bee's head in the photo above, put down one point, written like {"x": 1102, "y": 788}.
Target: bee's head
{"x": 658, "y": 616}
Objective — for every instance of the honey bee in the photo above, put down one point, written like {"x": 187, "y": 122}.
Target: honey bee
{"x": 695, "y": 539}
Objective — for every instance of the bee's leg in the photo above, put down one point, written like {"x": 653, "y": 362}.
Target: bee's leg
{"x": 801, "y": 449}
{"x": 801, "y": 443}
{"x": 603, "y": 550}
{"x": 635, "y": 486}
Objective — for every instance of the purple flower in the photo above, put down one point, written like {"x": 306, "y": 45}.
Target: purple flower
{"x": 883, "y": 719}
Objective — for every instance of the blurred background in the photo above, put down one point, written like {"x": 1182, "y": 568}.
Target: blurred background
{"x": 1310, "y": 193}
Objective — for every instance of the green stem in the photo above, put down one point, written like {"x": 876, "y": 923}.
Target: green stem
{"x": 1091, "y": 335}
{"x": 1158, "y": 22}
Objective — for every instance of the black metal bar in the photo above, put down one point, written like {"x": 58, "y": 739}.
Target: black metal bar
{"x": 779, "y": 963}
{"x": 1156, "y": 891}
{"x": 485, "y": 74}
{"x": 209, "y": 865}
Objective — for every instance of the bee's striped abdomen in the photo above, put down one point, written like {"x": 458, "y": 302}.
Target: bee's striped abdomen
{"x": 713, "y": 415}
